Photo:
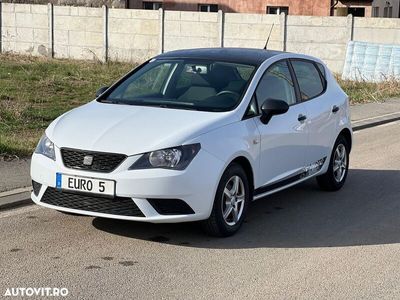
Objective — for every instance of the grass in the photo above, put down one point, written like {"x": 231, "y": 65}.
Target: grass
{"x": 35, "y": 91}
{"x": 364, "y": 92}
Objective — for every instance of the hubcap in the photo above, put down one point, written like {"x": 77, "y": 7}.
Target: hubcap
{"x": 233, "y": 200}
{"x": 340, "y": 163}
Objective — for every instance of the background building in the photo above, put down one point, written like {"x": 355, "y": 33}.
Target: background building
{"x": 355, "y": 8}
{"x": 293, "y": 7}
{"x": 386, "y": 8}
{"x": 358, "y": 8}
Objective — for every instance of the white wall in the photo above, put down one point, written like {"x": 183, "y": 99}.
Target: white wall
{"x": 136, "y": 35}
{"x": 252, "y": 31}
{"x": 25, "y": 28}
{"x": 190, "y": 30}
{"x": 324, "y": 37}
{"x": 133, "y": 35}
{"x": 78, "y": 32}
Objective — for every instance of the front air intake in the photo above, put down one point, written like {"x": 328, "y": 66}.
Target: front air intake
{"x": 171, "y": 206}
{"x": 120, "y": 206}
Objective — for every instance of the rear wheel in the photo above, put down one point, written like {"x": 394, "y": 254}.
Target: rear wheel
{"x": 230, "y": 203}
{"x": 336, "y": 175}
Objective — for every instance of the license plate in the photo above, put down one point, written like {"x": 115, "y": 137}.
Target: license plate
{"x": 85, "y": 184}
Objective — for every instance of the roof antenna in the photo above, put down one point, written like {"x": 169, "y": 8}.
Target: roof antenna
{"x": 269, "y": 35}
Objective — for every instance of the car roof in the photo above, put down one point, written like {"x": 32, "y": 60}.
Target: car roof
{"x": 235, "y": 55}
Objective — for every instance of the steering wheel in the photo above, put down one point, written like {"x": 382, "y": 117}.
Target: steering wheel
{"x": 228, "y": 92}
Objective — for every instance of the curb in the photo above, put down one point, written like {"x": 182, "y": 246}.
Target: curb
{"x": 375, "y": 121}
{"x": 15, "y": 198}
{"x": 21, "y": 196}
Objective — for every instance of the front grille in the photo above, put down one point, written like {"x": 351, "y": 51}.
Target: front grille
{"x": 102, "y": 161}
{"x": 113, "y": 206}
{"x": 171, "y": 206}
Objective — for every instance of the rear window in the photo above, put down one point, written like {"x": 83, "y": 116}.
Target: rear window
{"x": 309, "y": 79}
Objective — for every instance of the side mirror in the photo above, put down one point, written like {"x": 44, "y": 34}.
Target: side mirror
{"x": 272, "y": 107}
{"x": 101, "y": 90}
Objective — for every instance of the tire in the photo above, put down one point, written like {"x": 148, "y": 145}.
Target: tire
{"x": 234, "y": 202}
{"x": 331, "y": 180}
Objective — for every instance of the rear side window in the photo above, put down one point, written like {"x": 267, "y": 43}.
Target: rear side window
{"x": 309, "y": 79}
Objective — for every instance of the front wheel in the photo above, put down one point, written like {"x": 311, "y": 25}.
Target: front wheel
{"x": 336, "y": 175}
{"x": 230, "y": 203}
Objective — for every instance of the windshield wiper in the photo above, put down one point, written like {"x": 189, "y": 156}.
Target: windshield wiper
{"x": 175, "y": 106}
{"x": 155, "y": 103}
{"x": 108, "y": 101}
{"x": 166, "y": 102}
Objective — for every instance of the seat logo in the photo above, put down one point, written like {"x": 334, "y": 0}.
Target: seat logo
{"x": 88, "y": 160}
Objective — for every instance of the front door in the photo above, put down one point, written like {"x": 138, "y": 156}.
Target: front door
{"x": 284, "y": 139}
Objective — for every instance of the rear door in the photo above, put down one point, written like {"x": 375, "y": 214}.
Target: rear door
{"x": 321, "y": 115}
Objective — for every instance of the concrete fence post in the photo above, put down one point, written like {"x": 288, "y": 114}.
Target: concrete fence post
{"x": 105, "y": 33}
{"x": 1, "y": 30}
{"x": 350, "y": 27}
{"x": 50, "y": 14}
{"x": 221, "y": 27}
{"x": 161, "y": 37}
{"x": 283, "y": 25}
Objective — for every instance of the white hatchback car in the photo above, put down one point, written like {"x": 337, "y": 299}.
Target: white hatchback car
{"x": 197, "y": 135}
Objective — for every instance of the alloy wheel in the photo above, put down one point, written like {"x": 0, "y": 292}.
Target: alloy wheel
{"x": 340, "y": 163}
{"x": 233, "y": 200}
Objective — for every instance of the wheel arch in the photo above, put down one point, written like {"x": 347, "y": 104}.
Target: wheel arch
{"x": 346, "y": 133}
{"x": 246, "y": 165}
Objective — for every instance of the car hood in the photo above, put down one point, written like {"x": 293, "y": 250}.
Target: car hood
{"x": 131, "y": 129}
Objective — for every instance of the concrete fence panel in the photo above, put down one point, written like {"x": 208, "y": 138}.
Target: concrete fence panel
{"x": 185, "y": 30}
{"x": 250, "y": 30}
{"x": 78, "y": 32}
{"x": 24, "y": 29}
{"x": 377, "y": 30}
{"x": 324, "y": 37}
{"x": 136, "y": 35}
{"x": 133, "y": 35}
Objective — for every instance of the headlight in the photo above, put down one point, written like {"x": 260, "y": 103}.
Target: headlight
{"x": 176, "y": 158}
{"x": 46, "y": 148}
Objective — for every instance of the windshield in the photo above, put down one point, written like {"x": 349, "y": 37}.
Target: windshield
{"x": 184, "y": 84}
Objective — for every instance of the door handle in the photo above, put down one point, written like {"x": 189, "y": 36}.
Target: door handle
{"x": 335, "y": 109}
{"x": 302, "y": 118}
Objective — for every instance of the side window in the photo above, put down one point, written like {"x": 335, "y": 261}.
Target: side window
{"x": 308, "y": 77}
{"x": 252, "y": 109}
{"x": 276, "y": 83}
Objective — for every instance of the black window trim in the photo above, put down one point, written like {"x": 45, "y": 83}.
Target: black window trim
{"x": 296, "y": 89}
{"x": 321, "y": 77}
{"x": 257, "y": 114}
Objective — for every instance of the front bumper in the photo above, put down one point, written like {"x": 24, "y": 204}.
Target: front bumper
{"x": 196, "y": 186}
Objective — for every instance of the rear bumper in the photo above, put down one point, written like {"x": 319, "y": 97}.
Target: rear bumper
{"x": 195, "y": 186}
